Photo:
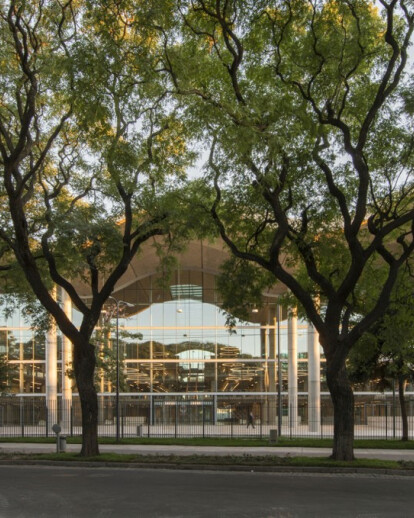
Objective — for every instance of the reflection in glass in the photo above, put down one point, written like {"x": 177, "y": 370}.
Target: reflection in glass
{"x": 241, "y": 377}
{"x": 27, "y": 339}
{"x": 13, "y": 346}
{"x": 3, "y": 342}
{"x": 39, "y": 347}
{"x": 13, "y": 377}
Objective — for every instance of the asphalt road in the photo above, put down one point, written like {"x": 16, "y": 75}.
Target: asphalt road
{"x": 37, "y": 491}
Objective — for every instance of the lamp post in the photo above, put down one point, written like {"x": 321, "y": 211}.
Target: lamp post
{"x": 127, "y": 304}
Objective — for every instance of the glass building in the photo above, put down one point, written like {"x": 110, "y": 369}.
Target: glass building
{"x": 174, "y": 345}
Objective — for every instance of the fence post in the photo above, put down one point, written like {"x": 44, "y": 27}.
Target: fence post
{"x": 150, "y": 412}
{"x": 149, "y": 416}
{"x": 261, "y": 420}
{"x": 386, "y": 420}
{"x": 279, "y": 405}
{"x": 203, "y": 421}
{"x": 47, "y": 420}
{"x": 176, "y": 417}
{"x": 321, "y": 418}
{"x": 22, "y": 415}
{"x": 122, "y": 421}
{"x": 393, "y": 408}
{"x": 71, "y": 419}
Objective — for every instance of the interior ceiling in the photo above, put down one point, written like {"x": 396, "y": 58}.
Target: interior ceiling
{"x": 197, "y": 266}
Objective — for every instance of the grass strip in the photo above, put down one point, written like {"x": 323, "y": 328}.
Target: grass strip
{"x": 212, "y": 441}
{"x": 217, "y": 460}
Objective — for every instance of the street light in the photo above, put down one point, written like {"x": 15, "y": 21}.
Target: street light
{"x": 129, "y": 305}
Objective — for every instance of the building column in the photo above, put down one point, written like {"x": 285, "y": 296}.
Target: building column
{"x": 51, "y": 374}
{"x": 21, "y": 365}
{"x": 293, "y": 368}
{"x": 314, "y": 381}
{"x": 66, "y": 365}
{"x": 264, "y": 347}
{"x": 271, "y": 344}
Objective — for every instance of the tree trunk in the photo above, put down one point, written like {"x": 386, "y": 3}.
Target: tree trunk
{"x": 84, "y": 366}
{"x": 343, "y": 403}
{"x": 404, "y": 418}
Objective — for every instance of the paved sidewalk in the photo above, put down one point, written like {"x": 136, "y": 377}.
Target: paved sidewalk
{"x": 9, "y": 447}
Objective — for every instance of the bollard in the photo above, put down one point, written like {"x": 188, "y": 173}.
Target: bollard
{"x": 57, "y": 429}
{"x": 62, "y": 443}
{"x": 273, "y": 436}
{"x": 139, "y": 430}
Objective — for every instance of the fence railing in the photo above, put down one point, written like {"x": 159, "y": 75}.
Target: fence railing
{"x": 178, "y": 417}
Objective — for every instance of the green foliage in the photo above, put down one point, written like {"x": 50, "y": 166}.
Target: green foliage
{"x": 241, "y": 286}
{"x": 4, "y": 374}
{"x": 386, "y": 352}
{"x": 306, "y": 113}
{"x": 107, "y": 168}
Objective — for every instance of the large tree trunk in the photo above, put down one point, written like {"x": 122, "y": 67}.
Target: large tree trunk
{"x": 404, "y": 418}
{"x": 84, "y": 366}
{"x": 343, "y": 403}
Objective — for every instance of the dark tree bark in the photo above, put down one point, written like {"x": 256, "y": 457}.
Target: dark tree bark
{"x": 343, "y": 402}
{"x": 401, "y": 397}
{"x": 84, "y": 366}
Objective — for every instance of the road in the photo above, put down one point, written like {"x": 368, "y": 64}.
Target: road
{"x": 48, "y": 491}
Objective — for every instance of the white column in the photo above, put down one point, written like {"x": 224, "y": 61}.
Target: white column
{"x": 51, "y": 374}
{"x": 293, "y": 368}
{"x": 21, "y": 365}
{"x": 314, "y": 380}
{"x": 66, "y": 365}
{"x": 271, "y": 346}
{"x": 264, "y": 354}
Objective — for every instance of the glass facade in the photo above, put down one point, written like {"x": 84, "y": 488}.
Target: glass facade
{"x": 173, "y": 340}
{"x": 25, "y": 356}
{"x": 176, "y": 340}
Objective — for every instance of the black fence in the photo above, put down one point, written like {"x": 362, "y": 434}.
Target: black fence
{"x": 219, "y": 416}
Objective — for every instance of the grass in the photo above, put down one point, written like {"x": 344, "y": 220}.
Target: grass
{"x": 251, "y": 461}
{"x": 220, "y": 460}
{"x": 282, "y": 442}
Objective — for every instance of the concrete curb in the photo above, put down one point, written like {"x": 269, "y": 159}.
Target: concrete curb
{"x": 210, "y": 467}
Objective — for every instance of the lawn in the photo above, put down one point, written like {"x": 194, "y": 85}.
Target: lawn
{"x": 282, "y": 442}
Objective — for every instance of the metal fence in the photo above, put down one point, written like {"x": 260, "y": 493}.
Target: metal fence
{"x": 219, "y": 416}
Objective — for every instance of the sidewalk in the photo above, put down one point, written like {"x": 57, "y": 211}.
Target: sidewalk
{"x": 407, "y": 455}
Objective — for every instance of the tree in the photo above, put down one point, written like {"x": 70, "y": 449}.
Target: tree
{"x": 4, "y": 371}
{"x": 307, "y": 111}
{"x": 91, "y": 158}
{"x": 386, "y": 352}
